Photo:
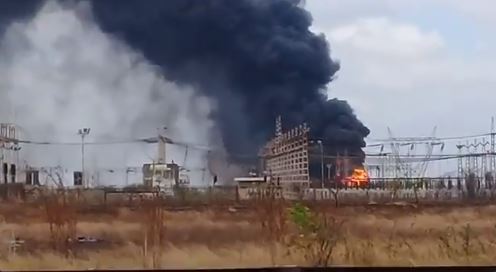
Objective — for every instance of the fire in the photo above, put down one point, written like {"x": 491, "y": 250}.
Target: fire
{"x": 358, "y": 178}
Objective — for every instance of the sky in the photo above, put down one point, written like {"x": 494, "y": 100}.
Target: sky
{"x": 413, "y": 65}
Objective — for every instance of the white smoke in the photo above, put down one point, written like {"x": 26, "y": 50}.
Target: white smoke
{"x": 59, "y": 72}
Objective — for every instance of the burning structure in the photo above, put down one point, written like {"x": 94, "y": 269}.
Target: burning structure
{"x": 289, "y": 161}
{"x": 358, "y": 178}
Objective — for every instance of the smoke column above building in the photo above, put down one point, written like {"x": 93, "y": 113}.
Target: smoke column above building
{"x": 254, "y": 59}
{"x": 257, "y": 59}
{"x": 59, "y": 72}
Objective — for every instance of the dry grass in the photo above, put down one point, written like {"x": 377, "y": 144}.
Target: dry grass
{"x": 379, "y": 236}
{"x": 192, "y": 256}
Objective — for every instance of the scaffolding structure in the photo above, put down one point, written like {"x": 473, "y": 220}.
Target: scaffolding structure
{"x": 285, "y": 157}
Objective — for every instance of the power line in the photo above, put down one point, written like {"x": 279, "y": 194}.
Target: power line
{"x": 196, "y": 146}
{"x": 424, "y": 139}
{"x": 151, "y": 140}
{"x": 374, "y": 142}
{"x": 154, "y": 140}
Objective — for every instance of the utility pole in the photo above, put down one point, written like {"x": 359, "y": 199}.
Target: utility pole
{"x": 346, "y": 164}
{"x": 383, "y": 159}
{"x": 83, "y": 132}
{"x": 319, "y": 142}
{"x": 337, "y": 174}
{"x": 161, "y": 147}
{"x": 468, "y": 161}
{"x": 17, "y": 149}
{"x": 460, "y": 171}
{"x": 321, "y": 163}
{"x": 493, "y": 144}
{"x": 475, "y": 157}
{"x": 329, "y": 171}
{"x": 127, "y": 177}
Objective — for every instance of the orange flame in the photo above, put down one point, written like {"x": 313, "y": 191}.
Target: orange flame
{"x": 359, "y": 178}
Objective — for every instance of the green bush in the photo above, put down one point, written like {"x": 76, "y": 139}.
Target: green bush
{"x": 317, "y": 235}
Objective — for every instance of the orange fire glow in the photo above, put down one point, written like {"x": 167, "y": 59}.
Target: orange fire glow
{"x": 359, "y": 178}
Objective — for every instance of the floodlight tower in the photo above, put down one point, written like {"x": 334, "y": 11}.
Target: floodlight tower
{"x": 83, "y": 132}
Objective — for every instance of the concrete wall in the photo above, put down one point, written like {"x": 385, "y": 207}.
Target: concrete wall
{"x": 408, "y": 195}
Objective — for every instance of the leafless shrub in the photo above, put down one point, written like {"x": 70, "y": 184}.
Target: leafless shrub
{"x": 394, "y": 187}
{"x": 335, "y": 194}
{"x": 359, "y": 252}
{"x": 461, "y": 243}
{"x": 271, "y": 214}
{"x": 153, "y": 226}
{"x": 61, "y": 215}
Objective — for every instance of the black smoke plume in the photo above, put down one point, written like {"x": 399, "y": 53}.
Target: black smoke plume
{"x": 256, "y": 58}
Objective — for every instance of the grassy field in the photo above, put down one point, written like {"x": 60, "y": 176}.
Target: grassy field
{"x": 224, "y": 237}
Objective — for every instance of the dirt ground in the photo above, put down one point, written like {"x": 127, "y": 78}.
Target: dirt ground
{"x": 226, "y": 237}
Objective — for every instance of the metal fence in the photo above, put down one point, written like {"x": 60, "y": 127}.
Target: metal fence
{"x": 400, "y": 190}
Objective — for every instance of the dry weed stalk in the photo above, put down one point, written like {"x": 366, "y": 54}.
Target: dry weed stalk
{"x": 271, "y": 214}
{"x": 335, "y": 195}
{"x": 359, "y": 252}
{"x": 462, "y": 243}
{"x": 153, "y": 225}
{"x": 61, "y": 214}
{"x": 394, "y": 187}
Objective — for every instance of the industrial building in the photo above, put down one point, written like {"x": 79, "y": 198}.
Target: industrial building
{"x": 9, "y": 153}
{"x": 153, "y": 174}
{"x": 285, "y": 163}
{"x": 290, "y": 160}
{"x": 161, "y": 175}
{"x": 285, "y": 158}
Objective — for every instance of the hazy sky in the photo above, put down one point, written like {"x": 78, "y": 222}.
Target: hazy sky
{"x": 412, "y": 65}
